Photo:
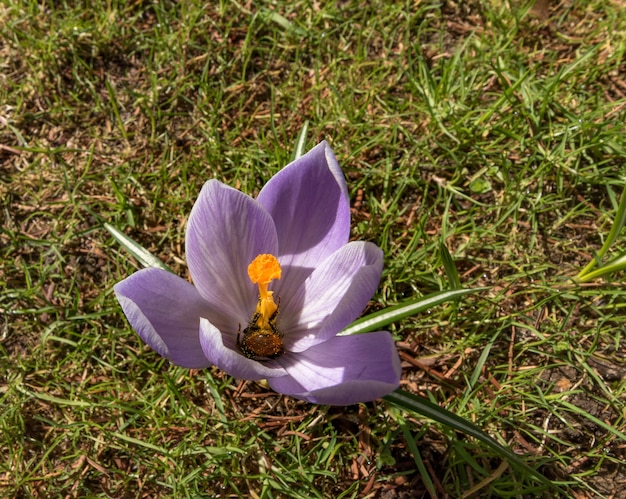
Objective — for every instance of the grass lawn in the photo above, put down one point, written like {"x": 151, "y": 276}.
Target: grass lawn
{"x": 492, "y": 128}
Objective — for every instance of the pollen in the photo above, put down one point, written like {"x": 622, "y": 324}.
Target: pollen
{"x": 263, "y": 270}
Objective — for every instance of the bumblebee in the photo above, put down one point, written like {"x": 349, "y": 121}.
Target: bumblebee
{"x": 261, "y": 341}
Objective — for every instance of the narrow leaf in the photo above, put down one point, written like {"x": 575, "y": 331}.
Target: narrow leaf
{"x": 54, "y": 400}
{"x": 616, "y": 228}
{"x": 144, "y": 257}
{"x": 481, "y": 361}
{"x": 450, "y": 267}
{"x": 419, "y": 462}
{"x": 593, "y": 419}
{"x": 425, "y": 407}
{"x": 377, "y": 320}
{"x": 615, "y": 265}
{"x": 301, "y": 141}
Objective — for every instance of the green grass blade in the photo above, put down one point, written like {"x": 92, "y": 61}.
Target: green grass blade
{"x": 417, "y": 457}
{"x": 375, "y": 321}
{"x": 480, "y": 363}
{"x": 450, "y": 267}
{"x": 592, "y": 418}
{"x": 615, "y": 265}
{"x": 616, "y": 228}
{"x": 420, "y": 405}
{"x": 144, "y": 257}
{"x": 116, "y": 108}
{"x": 54, "y": 400}
{"x": 301, "y": 141}
{"x": 283, "y": 22}
{"x": 139, "y": 442}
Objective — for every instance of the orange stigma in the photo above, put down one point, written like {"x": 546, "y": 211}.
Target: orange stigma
{"x": 263, "y": 270}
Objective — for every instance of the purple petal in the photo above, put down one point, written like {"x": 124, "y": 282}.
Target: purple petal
{"x": 309, "y": 202}
{"x": 332, "y": 297}
{"x": 226, "y": 231}
{"x": 165, "y": 311}
{"x": 231, "y": 361}
{"x": 342, "y": 371}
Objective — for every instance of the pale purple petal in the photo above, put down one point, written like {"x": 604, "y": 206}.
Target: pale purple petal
{"x": 165, "y": 311}
{"x": 309, "y": 202}
{"x": 342, "y": 371}
{"x": 332, "y": 297}
{"x": 225, "y": 232}
{"x": 231, "y": 361}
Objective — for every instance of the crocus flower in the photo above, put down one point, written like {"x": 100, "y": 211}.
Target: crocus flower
{"x": 275, "y": 280}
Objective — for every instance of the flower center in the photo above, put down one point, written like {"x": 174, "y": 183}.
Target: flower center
{"x": 261, "y": 339}
{"x": 263, "y": 270}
